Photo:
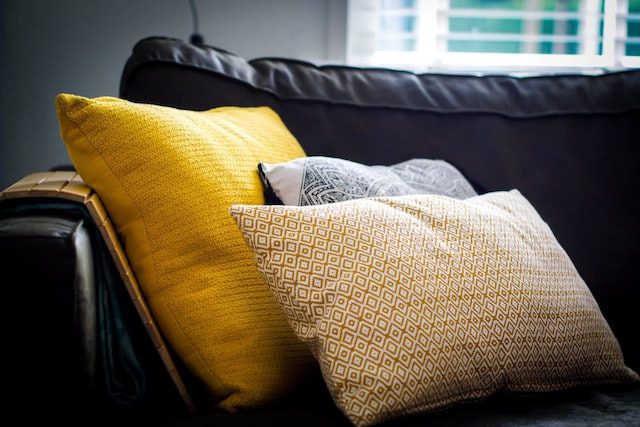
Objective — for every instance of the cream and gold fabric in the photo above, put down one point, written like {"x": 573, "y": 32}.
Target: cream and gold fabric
{"x": 414, "y": 303}
{"x": 167, "y": 178}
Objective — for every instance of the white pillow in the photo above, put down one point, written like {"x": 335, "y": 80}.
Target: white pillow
{"x": 318, "y": 180}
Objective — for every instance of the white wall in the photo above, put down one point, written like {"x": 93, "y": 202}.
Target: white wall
{"x": 80, "y": 46}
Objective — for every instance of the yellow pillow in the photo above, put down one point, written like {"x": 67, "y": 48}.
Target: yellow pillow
{"x": 167, "y": 178}
{"x": 414, "y": 303}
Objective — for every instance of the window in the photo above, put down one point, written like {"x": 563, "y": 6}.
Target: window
{"x": 494, "y": 34}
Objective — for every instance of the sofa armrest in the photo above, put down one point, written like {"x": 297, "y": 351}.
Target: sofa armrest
{"x": 51, "y": 253}
{"x": 28, "y": 229}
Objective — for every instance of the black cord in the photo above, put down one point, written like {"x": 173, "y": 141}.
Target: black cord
{"x": 196, "y": 37}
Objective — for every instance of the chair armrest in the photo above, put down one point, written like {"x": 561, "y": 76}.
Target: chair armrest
{"x": 67, "y": 187}
{"x": 52, "y": 258}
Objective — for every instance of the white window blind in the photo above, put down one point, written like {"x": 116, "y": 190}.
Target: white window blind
{"x": 494, "y": 34}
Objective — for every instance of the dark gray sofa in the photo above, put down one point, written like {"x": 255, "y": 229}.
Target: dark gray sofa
{"x": 569, "y": 143}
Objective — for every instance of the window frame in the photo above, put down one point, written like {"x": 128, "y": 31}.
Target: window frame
{"x": 431, "y": 35}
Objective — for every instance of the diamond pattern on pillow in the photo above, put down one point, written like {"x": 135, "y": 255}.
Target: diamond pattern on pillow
{"x": 413, "y": 303}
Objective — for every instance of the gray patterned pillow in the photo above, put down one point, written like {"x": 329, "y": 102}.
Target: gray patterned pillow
{"x": 318, "y": 180}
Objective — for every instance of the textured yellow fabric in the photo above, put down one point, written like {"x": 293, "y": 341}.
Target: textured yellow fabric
{"x": 167, "y": 178}
{"x": 417, "y": 302}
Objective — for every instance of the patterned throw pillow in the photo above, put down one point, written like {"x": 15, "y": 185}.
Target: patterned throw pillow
{"x": 317, "y": 180}
{"x": 414, "y": 303}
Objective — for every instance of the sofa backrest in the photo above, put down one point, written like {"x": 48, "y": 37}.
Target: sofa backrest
{"x": 569, "y": 143}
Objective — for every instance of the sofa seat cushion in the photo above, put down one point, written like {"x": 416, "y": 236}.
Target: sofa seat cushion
{"x": 167, "y": 178}
{"x": 593, "y": 406}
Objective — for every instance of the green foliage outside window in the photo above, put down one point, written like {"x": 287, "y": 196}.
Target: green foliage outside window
{"x": 567, "y": 27}
{"x": 633, "y": 29}
{"x": 467, "y": 32}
